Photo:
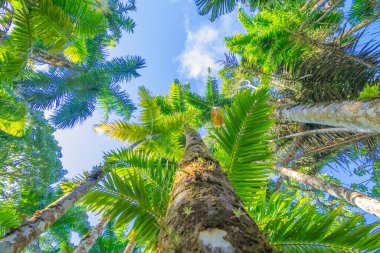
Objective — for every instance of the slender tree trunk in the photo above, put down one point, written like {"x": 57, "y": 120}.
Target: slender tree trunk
{"x": 366, "y": 203}
{"x": 347, "y": 114}
{"x": 47, "y": 58}
{"x": 88, "y": 240}
{"x": 201, "y": 216}
{"x": 317, "y": 5}
{"x": 290, "y": 155}
{"x": 308, "y": 2}
{"x": 130, "y": 247}
{"x": 324, "y": 131}
{"x": 21, "y": 237}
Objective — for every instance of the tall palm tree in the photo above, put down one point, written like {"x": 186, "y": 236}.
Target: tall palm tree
{"x": 74, "y": 92}
{"x": 56, "y": 32}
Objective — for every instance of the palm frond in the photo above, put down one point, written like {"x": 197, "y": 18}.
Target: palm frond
{"x": 123, "y": 131}
{"x": 244, "y": 139}
{"x": 294, "y": 225}
{"x": 10, "y": 218}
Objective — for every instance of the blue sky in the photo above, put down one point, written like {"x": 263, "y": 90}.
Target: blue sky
{"x": 176, "y": 42}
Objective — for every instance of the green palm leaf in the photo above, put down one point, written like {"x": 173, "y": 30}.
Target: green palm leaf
{"x": 295, "y": 225}
{"x": 243, "y": 138}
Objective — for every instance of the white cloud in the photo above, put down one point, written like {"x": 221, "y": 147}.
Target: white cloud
{"x": 203, "y": 45}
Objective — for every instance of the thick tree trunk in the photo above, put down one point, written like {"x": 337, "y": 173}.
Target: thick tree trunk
{"x": 364, "y": 202}
{"x": 347, "y": 114}
{"x": 89, "y": 240}
{"x": 22, "y": 236}
{"x": 130, "y": 247}
{"x": 201, "y": 216}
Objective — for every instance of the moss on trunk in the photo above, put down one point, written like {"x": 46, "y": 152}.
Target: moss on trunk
{"x": 205, "y": 214}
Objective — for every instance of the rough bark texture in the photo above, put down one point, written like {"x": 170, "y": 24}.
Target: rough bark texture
{"x": 21, "y": 237}
{"x": 130, "y": 247}
{"x": 347, "y": 114}
{"x": 89, "y": 240}
{"x": 200, "y": 216}
{"x": 358, "y": 199}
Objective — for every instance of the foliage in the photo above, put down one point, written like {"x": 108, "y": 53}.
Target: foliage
{"x": 220, "y": 7}
{"x": 13, "y": 113}
{"x": 244, "y": 140}
{"x": 160, "y": 131}
{"x": 369, "y": 92}
{"x": 293, "y": 224}
{"x": 136, "y": 193}
{"x": 73, "y": 94}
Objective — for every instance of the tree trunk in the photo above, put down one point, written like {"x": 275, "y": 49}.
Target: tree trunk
{"x": 202, "y": 213}
{"x": 364, "y": 202}
{"x": 324, "y": 131}
{"x": 89, "y": 240}
{"x": 317, "y": 5}
{"x": 21, "y": 237}
{"x": 290, "y": 155}
{"x": 130, "y": 247}
{"x": 347, "y": 114}
{"x": 47, "y": 58}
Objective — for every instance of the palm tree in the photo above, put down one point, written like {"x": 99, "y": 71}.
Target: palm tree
{"x": 157, "y": 130}
{"x": 73, "y": 93}
{"x": 56, "y": 32}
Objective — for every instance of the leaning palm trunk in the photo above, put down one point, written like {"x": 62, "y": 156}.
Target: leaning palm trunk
{"x": 47, "y": 58}
{"x": 130, "y": 247}
{"x": 364, "y": 202}
{"x": 21, "y": 237}
{"x": 347, "y": 114}
{"x": 88, "y": 240}
{"x": 201, "y": 216}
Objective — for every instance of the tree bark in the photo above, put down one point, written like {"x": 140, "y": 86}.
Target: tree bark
{"x": 202, "y": 213}
{"x": 89, "y": 240}
{"x": 324, "y": 131}
{"x": 347, "y": 114}
{"x": 364, "y": 202}
{"x": 47, "y": 58}
{"x": 130, "y": 247}
{"x": 317, "y": 5}
{"x": 21, "y": 237}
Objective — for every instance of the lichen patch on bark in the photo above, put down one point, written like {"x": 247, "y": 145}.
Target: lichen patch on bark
{"x": 212, "y": 240}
